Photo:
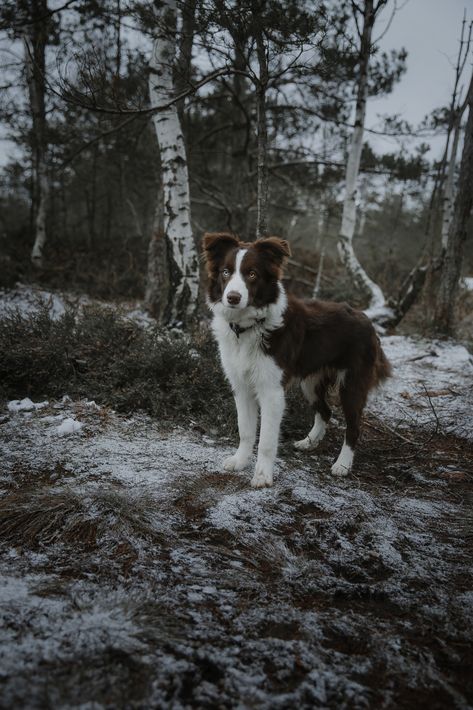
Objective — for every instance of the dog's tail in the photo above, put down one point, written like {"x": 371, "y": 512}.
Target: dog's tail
{"x": 382, "y": 367}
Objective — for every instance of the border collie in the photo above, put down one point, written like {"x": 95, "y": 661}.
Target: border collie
{"x": 268, "y": 339}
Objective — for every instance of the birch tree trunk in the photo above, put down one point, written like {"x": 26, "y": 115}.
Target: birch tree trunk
{"x": 240, "y": 144}
{"x": 262, "y": 178}
{"x": 452, "y": 261}
{"x": 448, "y": 197}
{"x": 183, "y": 64}
{"x": 35, "y": 37}
{"x": 347, "y": 230}
{"x": 322, "y": 228}
{"x": 183, "y": 262}
{"x": 320, "y": 268}
{"x": 449, "y": 189}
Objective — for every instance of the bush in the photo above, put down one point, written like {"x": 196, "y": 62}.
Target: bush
{"x": 102, "y": 356}
{"x": 96, "y": 353}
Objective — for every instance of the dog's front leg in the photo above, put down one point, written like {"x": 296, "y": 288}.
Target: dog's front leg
{"x": 247, "y": 411}
{"x": 272, "y": 408}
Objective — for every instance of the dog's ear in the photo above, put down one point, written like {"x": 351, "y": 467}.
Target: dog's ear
{"x": 215, "y": 245}
{"x": 275, "y": 248}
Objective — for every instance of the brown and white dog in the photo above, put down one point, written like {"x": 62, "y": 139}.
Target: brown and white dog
{"x": 267, "y": 339}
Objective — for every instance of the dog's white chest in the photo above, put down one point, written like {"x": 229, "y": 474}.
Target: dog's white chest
{"x": 243, "y": 357}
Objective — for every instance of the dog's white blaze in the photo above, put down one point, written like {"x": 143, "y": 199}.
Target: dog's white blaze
{"x": 237, "y": 282}
{"x": 343, "y": 464}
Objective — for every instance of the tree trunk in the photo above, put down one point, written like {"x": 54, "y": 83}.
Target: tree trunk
{"x": 347, "y": 230}
{"x": 448, "y": 192}
{"x": 452, "y": 261}
{"x": 35, "y": 39}
{"x": 183, "y": 262}
{"x": 157, "y": 282}
{"x": 183, "y": 64}
{"x": 320, "y": 268}
{"x": 262, "y": 179}
{"x": 240, "y": 144}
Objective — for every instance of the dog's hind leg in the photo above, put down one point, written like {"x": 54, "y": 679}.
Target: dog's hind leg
{"x": 353, "y": 399}
{"x": 247, "y": 411}
{"x": 314, "y": 389}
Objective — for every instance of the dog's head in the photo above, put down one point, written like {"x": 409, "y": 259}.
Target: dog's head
{"x": 243, "y": 274}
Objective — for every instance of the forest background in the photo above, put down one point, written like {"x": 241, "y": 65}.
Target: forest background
{"x": 247, "y": 116}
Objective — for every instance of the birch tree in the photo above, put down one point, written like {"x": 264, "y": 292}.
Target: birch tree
{"x": 183, "y": 262}
{"x": 457, "y": 234}
{"x": 35, "y": 39}
{"x": 457, "y": 110}
{"x": 240, "y": 136}
{"x": 367, "y": 16}
{"x": 262, "y": 133}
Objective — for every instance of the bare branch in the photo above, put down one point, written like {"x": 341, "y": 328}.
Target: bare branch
{"x": 43, "y": 18}
{"x": 193, "y": 88}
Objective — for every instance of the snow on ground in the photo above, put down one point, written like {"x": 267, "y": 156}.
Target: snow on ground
{"x": 432, "y": 385}
{"x": 28, "y": 299}
{"x": 135, "y": 573}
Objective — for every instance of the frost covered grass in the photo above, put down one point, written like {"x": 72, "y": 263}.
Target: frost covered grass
{"x": 137, "y": 574}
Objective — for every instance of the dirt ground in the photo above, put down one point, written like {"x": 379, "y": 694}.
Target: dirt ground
{"x": 136, "y": 574}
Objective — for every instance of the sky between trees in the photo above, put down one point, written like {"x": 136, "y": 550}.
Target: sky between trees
{"x": 428, "y": 29}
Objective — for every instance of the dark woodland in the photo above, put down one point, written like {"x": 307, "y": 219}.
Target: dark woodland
{"x": 137, "y": 573}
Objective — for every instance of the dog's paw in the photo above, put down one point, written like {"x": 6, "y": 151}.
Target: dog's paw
{"x": 235, "y": 463}
{"x": 340, "y": 469}
{"x": 343, "y": 464}
{"x": 306, "y": 444}
{"x": 263, "y": 476}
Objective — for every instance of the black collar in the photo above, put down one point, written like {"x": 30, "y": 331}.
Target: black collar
{"x": 238, "y": 330}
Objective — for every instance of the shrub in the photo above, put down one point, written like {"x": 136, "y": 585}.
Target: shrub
{"x": 99, "y": 354}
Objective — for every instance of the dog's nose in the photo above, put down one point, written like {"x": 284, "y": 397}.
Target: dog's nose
{"x": 234, "y": 298}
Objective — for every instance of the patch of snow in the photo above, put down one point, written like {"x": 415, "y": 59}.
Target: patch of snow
{"x": 92, "y": 404}
{"x": 69, "y": 426}
{"x": 25, "y": 405}
{"x": 138, "y": 315}
{"x": 430, "y": 386}
{"x": 52, "y": 418}
{"x": 467, "y": 283}
{"x": 28, "y": 299}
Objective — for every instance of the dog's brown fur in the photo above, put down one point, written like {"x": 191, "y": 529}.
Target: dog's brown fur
{"x": 317, "y": 338}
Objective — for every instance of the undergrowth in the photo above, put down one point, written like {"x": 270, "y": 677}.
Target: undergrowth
{"x": 100, "y": 355}
{"x": 96, "y": 353}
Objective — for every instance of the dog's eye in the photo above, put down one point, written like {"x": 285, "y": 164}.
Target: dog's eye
{"x": 252, "y": 275}
{"x": 225, "y": 273}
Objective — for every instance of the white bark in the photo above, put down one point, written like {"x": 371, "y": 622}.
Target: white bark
{"x": 362, "y": 207}
{"x": 183, "y": 258}
{"x": 449, "y": 189}
{"x": 262, "y": 152}
{"x": 447, "y": 201}
{"x": 34, "y": 43}
{"x": 40, "y": 220}
{"x": 318, "y": 278}
{"x": 458, "y": 232}
{"x": 347, "y": 230}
